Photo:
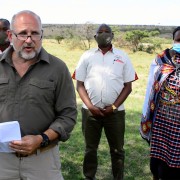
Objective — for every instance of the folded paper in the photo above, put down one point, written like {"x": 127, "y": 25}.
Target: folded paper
{"x": 9, "y": 131}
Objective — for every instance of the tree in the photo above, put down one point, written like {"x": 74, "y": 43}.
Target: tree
{"x": 135, "y": 37}
{"x": 86, "y": 34}
{"x": 59, "y": 39}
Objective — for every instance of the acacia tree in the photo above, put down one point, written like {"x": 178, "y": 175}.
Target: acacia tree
{"x": 59, "y": 39}
{"x": 135, "y": 37}
{"x": 86, "y": 34}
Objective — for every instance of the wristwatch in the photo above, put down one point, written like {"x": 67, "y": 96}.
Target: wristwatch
{"x": 45, "y": 142}
{"x": 114, "y": 108}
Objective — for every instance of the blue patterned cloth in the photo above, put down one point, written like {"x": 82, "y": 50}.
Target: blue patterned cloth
{"x": 160, "y": 123}
{"x": 160, "y": 68}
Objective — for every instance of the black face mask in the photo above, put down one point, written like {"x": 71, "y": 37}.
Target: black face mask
{"x": 3, "y": 38}
{"x": 104, "y": 39}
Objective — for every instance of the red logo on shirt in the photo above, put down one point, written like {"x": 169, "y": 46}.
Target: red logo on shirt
{"x": 118, "y": 60}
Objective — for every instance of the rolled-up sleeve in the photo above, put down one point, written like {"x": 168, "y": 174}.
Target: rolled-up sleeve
{"x": 65, "y": 105}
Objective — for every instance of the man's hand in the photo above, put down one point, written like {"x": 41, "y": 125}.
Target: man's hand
{"x": 27, "y": 145}
{"x": 108, "y": 110}
{"x": 96, "y": 112}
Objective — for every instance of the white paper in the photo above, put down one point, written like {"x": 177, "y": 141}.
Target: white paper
{"x": 9, "y": 131}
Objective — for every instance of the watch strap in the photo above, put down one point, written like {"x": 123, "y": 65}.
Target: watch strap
{"x": 45, "y": 142}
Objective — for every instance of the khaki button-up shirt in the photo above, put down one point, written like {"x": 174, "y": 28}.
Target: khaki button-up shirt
{"x": 43, "y": 98}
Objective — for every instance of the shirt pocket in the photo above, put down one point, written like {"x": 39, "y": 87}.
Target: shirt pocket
{"x": 4, "y": 84}
{"x": 116, "y": 70}
{"x": 41, "y": 91}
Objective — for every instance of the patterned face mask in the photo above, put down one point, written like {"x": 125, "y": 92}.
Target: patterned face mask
{"x": 104, "y": 39}
{"x": 176, "y": 47}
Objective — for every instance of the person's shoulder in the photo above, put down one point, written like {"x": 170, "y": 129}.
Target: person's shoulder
{"x": 161, "y": 57}
{"x": 90, "y": 51}
{"x": 122, "y": 54}
{"x": 57, "y": 64}
{"x": 119, "y": 51}
{"x": 162, "y": 54}
{"x": 50, "y": 58}
{"x": 6, "y": 52}
{"x": 56, "y": 60}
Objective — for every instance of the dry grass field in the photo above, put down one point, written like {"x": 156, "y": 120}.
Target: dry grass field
{"x": 137, "y": 150}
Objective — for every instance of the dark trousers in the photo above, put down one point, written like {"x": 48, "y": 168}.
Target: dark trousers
{"x": 161, "y": 170}
{"x": 114, "y": 128}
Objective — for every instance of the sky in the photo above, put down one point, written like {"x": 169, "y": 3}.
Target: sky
{"x": 117, "y": 12}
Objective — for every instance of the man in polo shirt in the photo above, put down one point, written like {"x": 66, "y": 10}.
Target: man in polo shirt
{"x": 104, "y": 76}
{"x": 4, "y": 41}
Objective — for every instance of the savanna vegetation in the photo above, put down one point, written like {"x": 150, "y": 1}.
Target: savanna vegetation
{"x": 137, "y": 150}
{"x": 137, "y": 38}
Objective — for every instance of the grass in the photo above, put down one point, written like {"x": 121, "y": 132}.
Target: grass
{"x": 137, "y": 150}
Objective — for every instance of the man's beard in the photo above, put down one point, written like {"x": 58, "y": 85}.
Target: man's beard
{"x": 27, "y": 56}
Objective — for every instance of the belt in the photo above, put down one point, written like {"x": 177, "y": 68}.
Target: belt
{"x": 19, "y": 155}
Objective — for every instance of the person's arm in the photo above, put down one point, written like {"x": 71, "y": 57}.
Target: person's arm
{"x": 52, "y": 135}
{"x": 124, "y": 94}
{"x": 85, "y": 98}
{"x": 65, "y": 106}
{"x": 64, "y": 122}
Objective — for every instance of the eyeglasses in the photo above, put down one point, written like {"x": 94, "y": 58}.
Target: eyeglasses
{"x": 23, "y": 37}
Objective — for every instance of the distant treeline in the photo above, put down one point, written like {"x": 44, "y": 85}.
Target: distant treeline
{"x": 147, "y": 38}
{"x": 52, "y": 30}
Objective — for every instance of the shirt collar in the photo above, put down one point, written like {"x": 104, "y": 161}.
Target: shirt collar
{"x": 111, "y": 50}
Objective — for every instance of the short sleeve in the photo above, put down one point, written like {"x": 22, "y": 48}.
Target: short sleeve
{"x": 129, "y": 72}
{"x": 81, "y": 69}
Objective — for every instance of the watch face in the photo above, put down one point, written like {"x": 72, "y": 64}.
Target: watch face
{"x": 114, "y": 108}
{"x": 45, "y": 143}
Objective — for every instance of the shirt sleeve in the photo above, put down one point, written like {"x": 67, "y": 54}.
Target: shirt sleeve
{"x": 129, "y": 72}
{"x": 81, "y": 69}
{"x": 65, "y": 106}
